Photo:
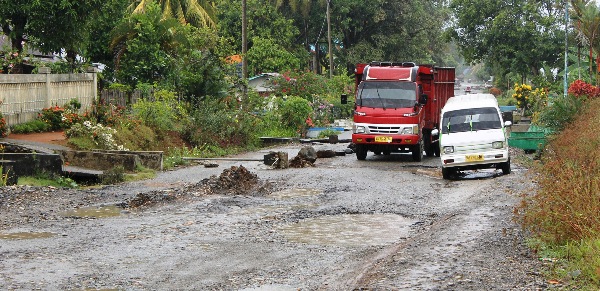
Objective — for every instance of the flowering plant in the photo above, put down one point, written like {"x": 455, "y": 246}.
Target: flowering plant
{"x": 101, "y": 135}
{"x": 580, "y": 88}
{"x": 529, "y": 99}
{"x": 12, "y": 59}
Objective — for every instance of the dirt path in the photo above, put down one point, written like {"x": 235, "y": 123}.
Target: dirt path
{"x": 386, "y": 223}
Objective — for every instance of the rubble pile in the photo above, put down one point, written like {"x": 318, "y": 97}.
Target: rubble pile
{"x": 235, "y": 181}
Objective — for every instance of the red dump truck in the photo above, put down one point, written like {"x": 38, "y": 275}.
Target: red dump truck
{"x": 397, "y": 108}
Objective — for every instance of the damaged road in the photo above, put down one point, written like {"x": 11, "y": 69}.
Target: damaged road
{"x": 341, "y": 224}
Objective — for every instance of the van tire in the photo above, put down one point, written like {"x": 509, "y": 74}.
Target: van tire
{"x": 447, "y": 173}
{"x": 505, "y": 167}
{"x": 417, "y": 152}
{"x": 361, "y": 152}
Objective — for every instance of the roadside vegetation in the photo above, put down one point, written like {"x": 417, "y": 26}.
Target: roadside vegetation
{"x": 563, "y": 212}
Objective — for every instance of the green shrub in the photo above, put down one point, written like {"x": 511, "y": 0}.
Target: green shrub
{"x": 52, "y": 116}
{"x": 3, "y": 126}
{"x": 101, "y": 136}
{"x": 561, "y": 111}
{"x": 162, "y": 114}
{"x": 35, "y": 125}
{"x": 294, "y": 113}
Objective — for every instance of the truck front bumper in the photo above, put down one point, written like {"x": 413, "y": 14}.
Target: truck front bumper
{"x": 385, "y": 139}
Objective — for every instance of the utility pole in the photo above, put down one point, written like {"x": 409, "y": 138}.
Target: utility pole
{"x": 244, "y": 49}
{"x": 566, "y": 76}
{"x": 329, "y": 40}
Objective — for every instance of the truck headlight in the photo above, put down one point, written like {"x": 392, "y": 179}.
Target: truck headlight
{"x": 359, "y": 129}
{"x": 410, "y": 130}
{"x": 498, "y": 144}
{"x": 448, "y": 150}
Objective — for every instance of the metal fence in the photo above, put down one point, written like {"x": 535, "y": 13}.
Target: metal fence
{"x": 23, "y": 96}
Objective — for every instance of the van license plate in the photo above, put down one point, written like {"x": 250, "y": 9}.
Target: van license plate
{"x": 474, "y": 158}
{"x": 387, "y": 139}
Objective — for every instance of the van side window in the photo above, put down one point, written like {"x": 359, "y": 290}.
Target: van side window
{"x": 471, "y": 119}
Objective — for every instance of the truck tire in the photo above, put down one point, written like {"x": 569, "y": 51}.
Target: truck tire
{"x": 505, "y": 167}
{"x": 436, "y": 148}
{"x": 447, "y": 173}
{"x": 417, "y": 152}
{"x": 361, "y": 152}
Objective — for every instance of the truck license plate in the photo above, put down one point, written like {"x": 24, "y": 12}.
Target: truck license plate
{"x": 387, "y": 139}
{"x": 474, "y": 158}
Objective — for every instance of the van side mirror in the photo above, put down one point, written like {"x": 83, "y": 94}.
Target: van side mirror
{"x": 423, "y": 99}
{"x": 344, "y": 99}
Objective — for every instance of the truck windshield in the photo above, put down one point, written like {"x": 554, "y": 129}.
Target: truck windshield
{"x": 471, "y": 119}
{"x": 380, "y": 94}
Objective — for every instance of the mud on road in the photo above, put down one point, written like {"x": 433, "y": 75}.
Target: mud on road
{"x": 386, "y": 223}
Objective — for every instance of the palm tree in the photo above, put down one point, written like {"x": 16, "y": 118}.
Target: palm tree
{"x": 198, "y": 13}
{"x": 587, "y": 17}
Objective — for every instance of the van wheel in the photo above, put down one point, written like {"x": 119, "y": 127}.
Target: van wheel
{"x": 447, "y": 173}
{"x": 506, "y": 167}
{"x": 417, "y": 152}
{"x": 361, "y": 152}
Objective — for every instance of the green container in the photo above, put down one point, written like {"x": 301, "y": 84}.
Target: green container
{"x": 531, "y": 140}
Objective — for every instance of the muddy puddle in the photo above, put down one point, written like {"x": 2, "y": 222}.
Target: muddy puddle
{"x": 297, "y": 192}
{"x": 94, "y": 212}
{"x": 350, "y": 230}
{"x": 26, "y": 235}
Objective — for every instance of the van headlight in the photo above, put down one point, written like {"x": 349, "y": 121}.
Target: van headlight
{"x": 359, "y": 129}
{"x": 498, "y": 144}
{"x": 448, "y": 150}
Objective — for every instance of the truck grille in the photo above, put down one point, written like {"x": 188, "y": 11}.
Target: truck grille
{"x": 384, "y": 129}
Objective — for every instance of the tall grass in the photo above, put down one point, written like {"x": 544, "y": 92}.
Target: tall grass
{"x": 565, "y": 211}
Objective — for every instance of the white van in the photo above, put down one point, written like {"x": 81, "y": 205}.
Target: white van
{"x": 473, "y": 135}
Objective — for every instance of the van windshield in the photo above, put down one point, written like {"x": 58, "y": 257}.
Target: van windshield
{"x": 471, "y": 119}
{"x": 381, "y": 94}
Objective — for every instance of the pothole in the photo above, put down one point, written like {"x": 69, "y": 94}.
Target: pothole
{"x": 298, "y": 192}
{"x": 26, "y": 235}
{"x": 350, "y": 230}
{"x": 94, "y": 212}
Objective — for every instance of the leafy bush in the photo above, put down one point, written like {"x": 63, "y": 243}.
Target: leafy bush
{"x": 35, "y": 125}
{"x": 216, "y": 123}
{"x": 294, "y": 112}
{"x": 52, "y": 116}
{"x": 114, "y": 175}
{"x": 162, "y": 114}
{"x": 562, "y": 111}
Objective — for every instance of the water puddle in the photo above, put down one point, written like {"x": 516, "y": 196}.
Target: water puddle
{"x": 26, "y": 235}
{"x": 298, "y": 192}
{"x": 350, "y": 230}
{"x": 94, "y": 212}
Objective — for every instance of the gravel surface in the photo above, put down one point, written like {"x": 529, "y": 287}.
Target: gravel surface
{"x": 386, "y": 223}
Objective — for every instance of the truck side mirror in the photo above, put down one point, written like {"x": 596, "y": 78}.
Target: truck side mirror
{"x": 423, "y": 99}
{"x": 344, "y": 99}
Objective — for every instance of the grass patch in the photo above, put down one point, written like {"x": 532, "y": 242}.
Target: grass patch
{"x": 141, "y": 173}
{"x": 43, "y": 180}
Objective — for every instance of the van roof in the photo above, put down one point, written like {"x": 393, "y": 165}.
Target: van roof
{"x": 470, "y": 101}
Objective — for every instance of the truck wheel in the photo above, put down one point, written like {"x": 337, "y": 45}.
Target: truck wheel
{"x": 506, "y": 167}
{"x": 377, "y": 153}
{"x": 387, "y": 153}
{"x": 436, "y": 148}
{"x": 361, "y": 152}
{"x": 447, "y": 173}
{"x": 417, "y": 152}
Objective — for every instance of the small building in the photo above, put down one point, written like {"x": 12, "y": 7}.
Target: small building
{"x": 262, "y": 83}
